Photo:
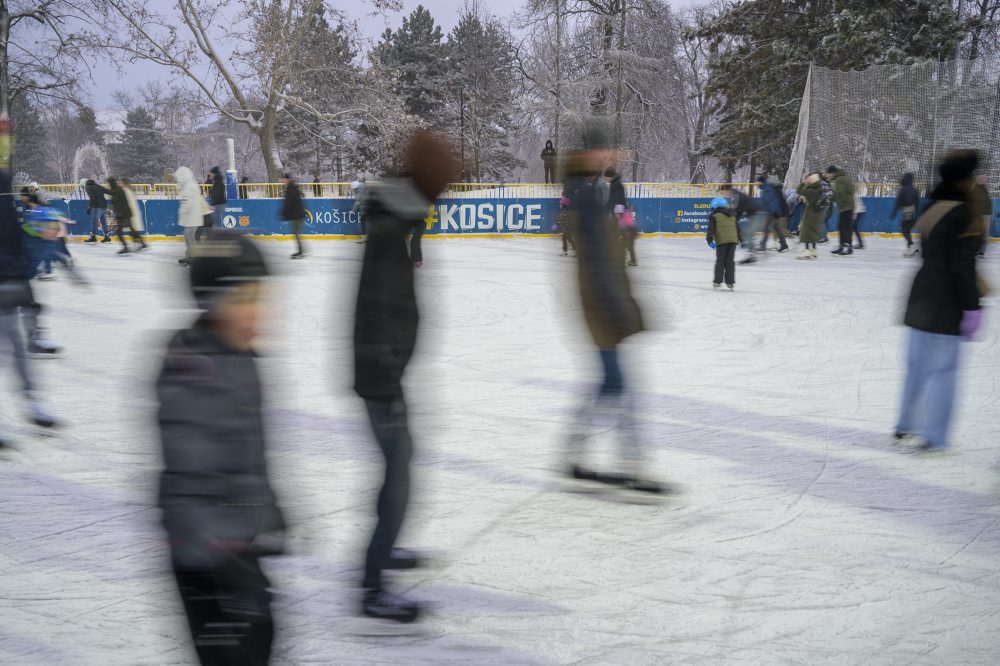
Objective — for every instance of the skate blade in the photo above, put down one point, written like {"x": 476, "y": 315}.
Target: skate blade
{"x": 581, "y": 487}
{"x": 630, "y": 496}
{"x": 367, "y": 626}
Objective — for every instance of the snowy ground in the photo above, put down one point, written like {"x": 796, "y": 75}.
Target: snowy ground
{"x": 804, "y": 536}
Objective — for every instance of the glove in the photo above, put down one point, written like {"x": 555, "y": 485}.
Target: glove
{"x": 711, "y": 244}
{"x": 972, "y": 321}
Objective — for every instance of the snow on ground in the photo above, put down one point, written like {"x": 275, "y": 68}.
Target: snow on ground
{"x": 804, "y": 536}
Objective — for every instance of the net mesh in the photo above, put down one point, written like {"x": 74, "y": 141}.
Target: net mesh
{"x": 883, "y": 121}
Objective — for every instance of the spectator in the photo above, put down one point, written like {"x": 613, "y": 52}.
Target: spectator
{"x": 97, "y": 207}
{"x": 242, "y": 189}
{"x": 294, "y": 211}
{"x": 190, "y": 215}
{"x": 217, "y": 196}
{"x": 549, "y": 162}
{"x": 317, "y": 188}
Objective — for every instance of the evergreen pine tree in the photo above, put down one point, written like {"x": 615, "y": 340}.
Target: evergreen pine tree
{"x": 141, "y": 154}
{"x": 29, "y": 141}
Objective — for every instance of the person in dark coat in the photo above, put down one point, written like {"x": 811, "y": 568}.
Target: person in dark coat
{"x": 385, "y": 335}
{"x": 843, "y": 198}
{"x": 943, "y": 307}
{"x": 907, "y": 200}
{"x": 317, "y": 187}
{"x": 217, "y": 196}
{"x": 123, "y": 213}
{"x": 549, "y": 162}
{"x": 294, "y": 211}
{"x": 746, "y": 206}
{"x": 610, "y": 312}
{"x": 811, "y": 192}
{"x": 982, "y": 205}
{"x": 773, "y": 202}
{"x": 218, "y": 509}
{"x": 242, "y": 188}
{"x": 617, "y": 201}
{"x": 97, "y": 207}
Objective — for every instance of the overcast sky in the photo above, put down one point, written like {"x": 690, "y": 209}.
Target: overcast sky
{"x": 445, "y": 13}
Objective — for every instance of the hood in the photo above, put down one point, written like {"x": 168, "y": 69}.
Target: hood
{"x": 215, "y": 171}
{"x": 90, "y": 182}
{"x": 548, "y": 144}
{"x": 401, "y": 197}
{"x": 906, "y": 180}
{"x": 184, "y": 176}
{"x": 813, "y": 179}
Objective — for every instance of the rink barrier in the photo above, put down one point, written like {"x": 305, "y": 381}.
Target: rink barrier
{"x": 459, "y": 217}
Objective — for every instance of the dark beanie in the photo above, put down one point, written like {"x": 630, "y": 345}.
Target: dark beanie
{"x": 224, "y": 260}
{"x": 958, "y": 165}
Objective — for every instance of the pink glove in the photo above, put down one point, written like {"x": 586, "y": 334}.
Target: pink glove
{"x": 972, "y": 321}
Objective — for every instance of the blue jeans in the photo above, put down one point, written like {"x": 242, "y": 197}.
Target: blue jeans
{"x": 389, "y": 425}
{"x": 43, "y": 252}
{"x": 99, "y": 215}
{"x": 929, "y": 389}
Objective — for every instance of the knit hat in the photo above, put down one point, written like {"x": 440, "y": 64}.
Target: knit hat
{"x": 958, "y": 165}
{"x": 720, "y": 202}
{"x": 223, "y": 260}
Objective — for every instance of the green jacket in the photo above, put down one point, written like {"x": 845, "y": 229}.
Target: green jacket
{"x": 722, "y": 227}
{"x": 843, "y": 191}
{"x": 812, "y": 217}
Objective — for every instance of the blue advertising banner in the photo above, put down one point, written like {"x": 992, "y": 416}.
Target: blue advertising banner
{"x": 487, "y": 216}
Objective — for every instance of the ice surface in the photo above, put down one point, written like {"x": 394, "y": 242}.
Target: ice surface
{"x": 804, "y": 535}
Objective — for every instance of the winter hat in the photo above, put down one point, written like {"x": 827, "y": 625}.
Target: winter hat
{"x": 812, "y": 179}
{"x": 832, "y": 169}
{"x": 216, "y": 171}
{"x": 720, "y": 202}
{"x": 430, "y": 163}
{"x": 223, "y": 260}
{"x": 83, "y": 182}
{"x": 958, "y": 165}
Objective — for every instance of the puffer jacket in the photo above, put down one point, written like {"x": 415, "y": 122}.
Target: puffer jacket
{"x": 812, "y": 217}
{"x": 214, "y": 488}
{"x": 722, "y": 227}
{"x": 191, "y": 212}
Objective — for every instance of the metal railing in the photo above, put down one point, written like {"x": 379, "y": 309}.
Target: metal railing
{"x": 454, "y": 191}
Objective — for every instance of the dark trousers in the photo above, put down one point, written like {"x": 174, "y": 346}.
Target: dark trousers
{"x": 567, "y": 240}
{"x": 229, "y": 611}
{"x": 845, "y": 226}
{"x": 857, "y": 229}
{"x": 136, "y": 236}
{"x": 98, "y": 216}
{"x": 628, "y": 236}
{"x": 389, "y": 425}
{"x": 777, "y": 226}
{"x": 725, "y": 263}
{"x": 908, "y": 223}
{"x": 297, "y": 232}
{"x": 550, "y": 174}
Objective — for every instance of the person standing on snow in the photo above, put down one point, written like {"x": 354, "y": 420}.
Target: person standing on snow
{"x": 97, "y": 208}
{"x": 217, "y": 196}
{"x": 549, "y": 162}
{"x": 907, "y": 200}
{"x": 943, "y": 308}
{"x": 190, "y": 214}
{"x": 385, "y": 335}
{"x": 843, "y": 198}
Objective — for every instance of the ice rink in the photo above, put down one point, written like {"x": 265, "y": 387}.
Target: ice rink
{"x": 803, "y": 535}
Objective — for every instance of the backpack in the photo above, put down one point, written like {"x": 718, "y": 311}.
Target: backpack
{"x": 825, "y": 195}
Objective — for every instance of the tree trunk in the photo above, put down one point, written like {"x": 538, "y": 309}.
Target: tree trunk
{"x": 558, "y": 114}
{"x": 269, "y": 146}
{"x": 4, "y": 61}
{"x": 620, "y": 85}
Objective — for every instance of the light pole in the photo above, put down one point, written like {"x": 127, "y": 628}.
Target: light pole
{"x": 461, "y": 113}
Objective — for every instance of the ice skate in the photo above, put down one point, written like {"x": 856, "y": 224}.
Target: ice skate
{"x": 92, "y": 239}
{"x": 905, "y": 438}
{"x": 751, "y": 259}
{"x": 40, "y": 415}
{"x": 807, "y": 254}
{"x": 124, "y": 250}
{"x": 716, "y": 285}
{"x": 107, "y": 239}
{"x": 298, "y": 255}
{"x": 731, "y": 287}
{"x": 404, "y": 559}
{"x": 45, "y": 276}
{"x": 385, "y": 614}
{"x": 843, "y": 251}
{"x": 911, "y": 251}
{"x": 141, "y": 248}
{"x": 928, "y": 449}
{"x": 42, "y": 348}
{"x": 782, "y": 249}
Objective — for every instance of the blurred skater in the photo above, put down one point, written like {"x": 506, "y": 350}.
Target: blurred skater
{"x": 191, "y": 213}
{"x": 757, "y": 218}
{"x": 773, "y": 201}
{"x": 294, "y": 212}
{"x": 123, "y": 211}
{"x": 18, "y": 308}
{"x": 611, "y": 315}
{"x": 983, "y": 206}
{"x": 359, "y": 190}
{"x": 217, "y": 197}
{"x": 813, "y": 213}
{"x": 565, "y": 225}
{"x": 943, "y": 307}
{"x": 138, "y": 224}
{"x": 97, "y": 208}
{"x": 843, "y": 198}
{"x": 907, "y": 199}
{"x": 218, "y": 508}
{"x": 629, "y": 232}
{"x": 549, "y": 162}
{"x": 385, "y": 333}
{"x": 859, "y": 215}
{"x": 723, "y": 236}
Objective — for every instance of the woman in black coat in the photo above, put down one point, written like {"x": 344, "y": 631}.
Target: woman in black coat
{"x": 943, "y": 307}
{"x": 294, "y": 211}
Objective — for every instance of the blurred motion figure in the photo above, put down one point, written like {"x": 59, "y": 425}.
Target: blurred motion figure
{"x": 218, "y": 508}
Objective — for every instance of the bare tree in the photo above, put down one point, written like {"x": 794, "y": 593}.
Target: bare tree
{"x": 39, "y": 55}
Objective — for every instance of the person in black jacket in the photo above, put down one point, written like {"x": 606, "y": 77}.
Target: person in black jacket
{"x": 907, "y": 200}
{"x": 97, "y": 207}
{"x": 217, "y": 196}
{"x": 385, "y": 333}
{"x": 549, "y": 162}
{"x": 746, "y": 206}
{"x": 294, "y": 211}
{"x": 218, "y": 509}
{"x": 616, "y": 192}
{"x": 943, "y": 307}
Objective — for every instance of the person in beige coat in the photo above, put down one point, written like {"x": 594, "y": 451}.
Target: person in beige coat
{"x": 137, "y": 224}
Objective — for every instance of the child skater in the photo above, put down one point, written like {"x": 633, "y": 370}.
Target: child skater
{"x": 567, "y": 228}
{"x": 723, "y": 236}
{"x": 629, "y": 232}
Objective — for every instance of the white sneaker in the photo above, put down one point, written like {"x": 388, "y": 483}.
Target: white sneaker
{"x": 911, "y": 251}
